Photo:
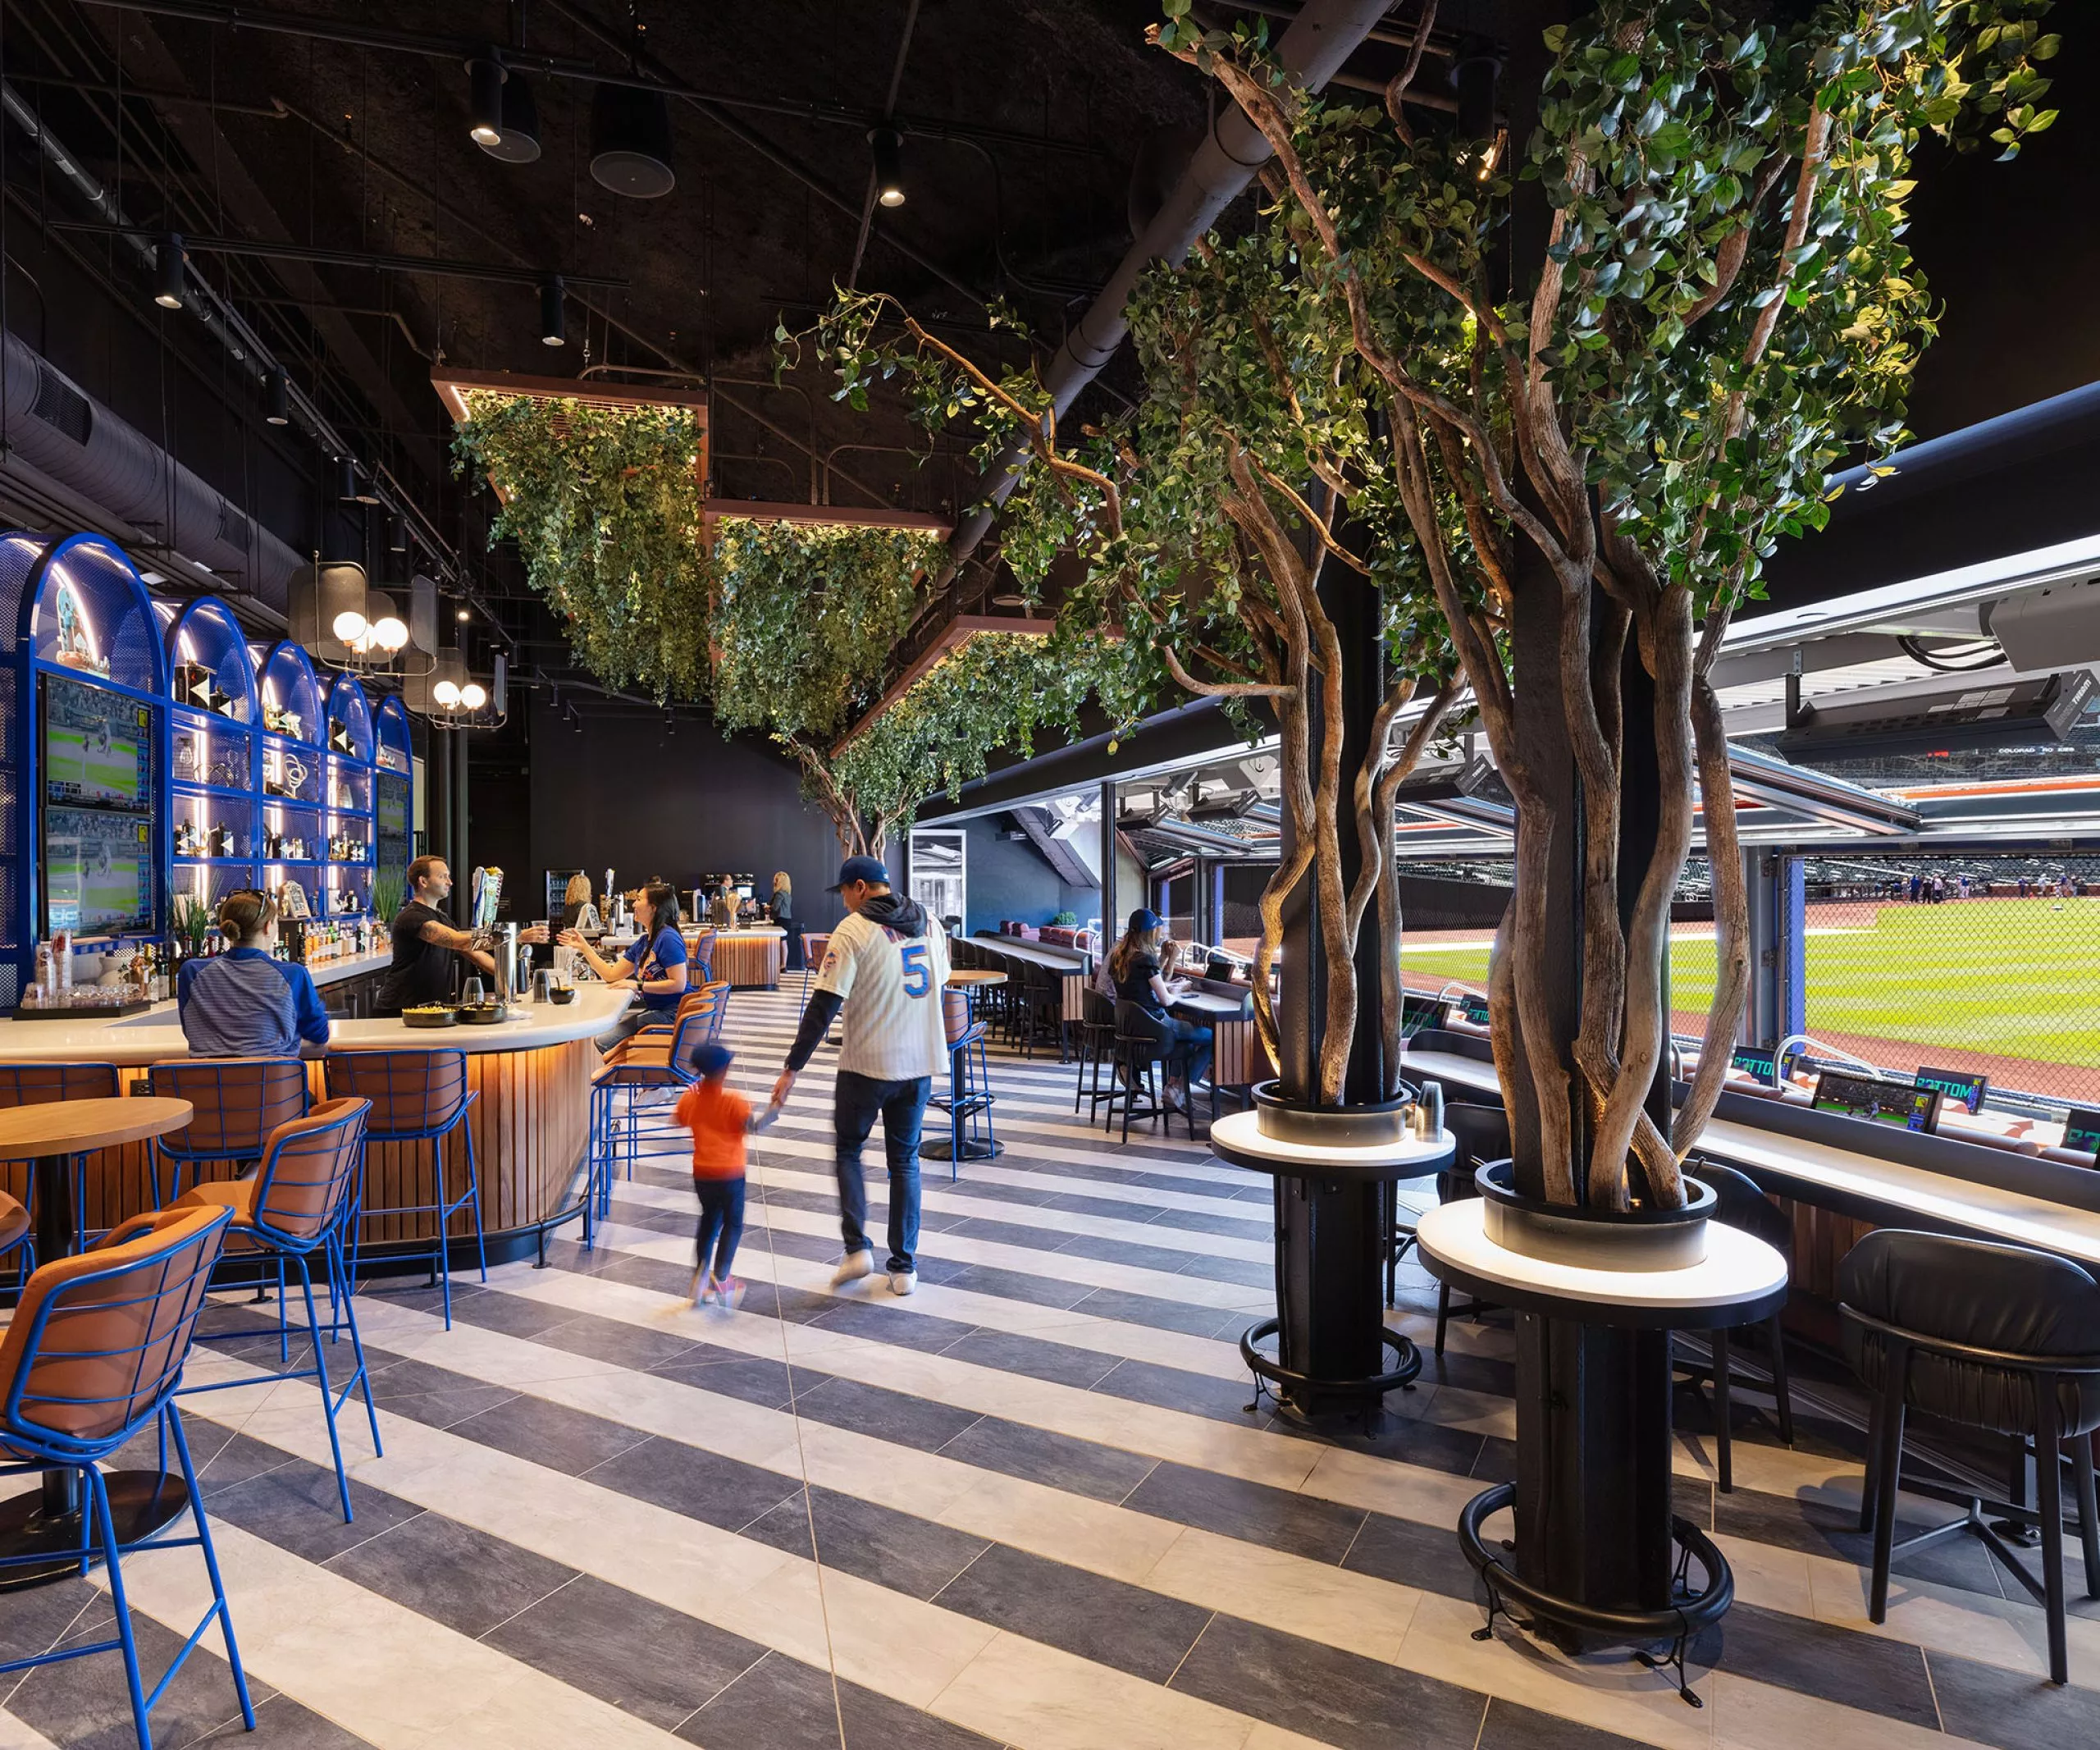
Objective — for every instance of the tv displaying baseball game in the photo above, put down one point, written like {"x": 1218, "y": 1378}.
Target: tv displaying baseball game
{"x": 97, "y": 747}
{"x": 98, "y": 872}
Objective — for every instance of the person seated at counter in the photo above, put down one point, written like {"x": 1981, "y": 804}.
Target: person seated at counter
{"x": 425, "y": 943}
{"x": 653, "y": 964}
{"x": 1138, "y": 967}
{"x": 246, "y": 1003}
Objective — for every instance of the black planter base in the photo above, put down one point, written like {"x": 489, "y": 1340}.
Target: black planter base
{"x": 1343, "y": 1401}
{"x": 1574, "y": 1626}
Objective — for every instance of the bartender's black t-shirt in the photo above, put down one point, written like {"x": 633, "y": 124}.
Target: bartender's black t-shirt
{"x": 422, "y": 971}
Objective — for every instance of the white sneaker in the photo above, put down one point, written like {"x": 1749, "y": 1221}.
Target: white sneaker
{"x": 902, "y": 1282}
{"x": 701, "y": 1287}
{"x": 853, "y": 1266}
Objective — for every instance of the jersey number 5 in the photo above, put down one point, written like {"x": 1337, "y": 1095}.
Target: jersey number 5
{"x": 918, "y": 973}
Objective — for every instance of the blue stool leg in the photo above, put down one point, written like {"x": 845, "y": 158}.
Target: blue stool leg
{"x": 362, "y": 1376}
{"x": 441, "y": 1268}
{"x": 474, "y": 1196}
{"x": 284, "y": 1330}
{"x": 106, "y": 1531}
{"x": 327, "y": 1392}
{"x": 172, "y": 1423}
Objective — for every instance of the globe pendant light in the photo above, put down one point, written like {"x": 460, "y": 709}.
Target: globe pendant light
{"x": 327, "y": 608}
{"x": 630, "y": 142}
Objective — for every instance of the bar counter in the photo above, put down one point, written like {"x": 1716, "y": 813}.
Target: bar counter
{"x": 531, "y": 1073}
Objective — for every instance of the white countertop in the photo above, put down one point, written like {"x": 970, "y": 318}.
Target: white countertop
{"x": 156, "y": 1035}
{"x": 1984, "y": 1210}
{"x": 334, "y": 971}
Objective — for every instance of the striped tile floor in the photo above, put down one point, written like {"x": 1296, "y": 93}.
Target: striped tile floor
{"x": 1029, "y": 1507}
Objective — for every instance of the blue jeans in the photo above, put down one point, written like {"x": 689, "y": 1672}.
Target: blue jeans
{"x": 1189, "y": 1048}
{"x": 855, "y": 1103}
{"x": 721, "y": 1224}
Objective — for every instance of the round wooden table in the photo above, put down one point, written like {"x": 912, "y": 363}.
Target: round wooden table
{"x": 140, "y": 1502}
{"x": 968, "y": 981}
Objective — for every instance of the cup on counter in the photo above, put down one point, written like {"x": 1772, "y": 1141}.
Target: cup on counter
{"x": 471, "y": 994}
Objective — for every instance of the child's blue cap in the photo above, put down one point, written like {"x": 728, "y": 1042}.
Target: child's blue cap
{"x": 710, "y": 1060}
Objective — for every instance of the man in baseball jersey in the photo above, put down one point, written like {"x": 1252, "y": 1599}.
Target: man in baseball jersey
{"x": 885, "y": 966}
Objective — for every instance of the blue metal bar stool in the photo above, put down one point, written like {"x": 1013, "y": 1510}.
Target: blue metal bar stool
{"x": 300, "y": 1201}
{"x": 416, "y": 1096}
{"x": 968, "y": 1100}
{"x": 239, "y": 1102}
{"x": 92, "y": 1359}
{"x": 813, "y": 952}
{"x": 15, "y": 1237}
{"x": 39, "y": 1085}
{"x": 642, "y": 1066}
{"x": 1097, "y": 1054}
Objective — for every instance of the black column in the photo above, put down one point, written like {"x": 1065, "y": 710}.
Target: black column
{"x": 1329, "y": 1235}
{"x": 1111, "y": 921}
{"x": 462, "y": 868}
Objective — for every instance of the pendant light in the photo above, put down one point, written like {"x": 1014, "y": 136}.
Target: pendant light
{"x": 888, "y": 146}
{"x": 520, "y": 140}
{"x": 630, "y": 142}
{"x": 276, "y": 398}
{"x": 171, "y": 283}
{"x": 327, "y": 608}
{"x": 485, "y": 80}
{"x": 554, "y": 319}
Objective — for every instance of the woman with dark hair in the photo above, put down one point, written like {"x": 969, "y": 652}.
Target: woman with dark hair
{"x": 246, "y": 1003}
{"x": 653, "y": 965}
{"x": 1138, "y": 967}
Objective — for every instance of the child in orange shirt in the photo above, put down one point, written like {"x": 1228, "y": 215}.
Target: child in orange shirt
{"x": 719, "y": 1121}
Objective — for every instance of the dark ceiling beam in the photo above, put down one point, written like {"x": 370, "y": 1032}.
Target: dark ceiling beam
{"x": 435, "y": 267}
{"x": 458, "y": 49}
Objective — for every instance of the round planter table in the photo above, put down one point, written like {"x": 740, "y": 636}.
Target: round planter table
{"x": 1740, "y": 1281}
{"x": 968, "y": 981}
{"x": 140, "y": 1502}
{"x": 1347, "y": 1312}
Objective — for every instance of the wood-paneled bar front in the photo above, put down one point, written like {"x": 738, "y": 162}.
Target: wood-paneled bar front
{"x": 531, "y": 1118}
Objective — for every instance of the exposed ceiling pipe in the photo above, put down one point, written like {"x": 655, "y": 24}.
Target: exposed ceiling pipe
{"x": 1319, "y": 40}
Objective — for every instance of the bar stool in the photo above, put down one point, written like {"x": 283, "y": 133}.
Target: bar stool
{"x": 1097, "y": 1053}
{"x": 14, "y": 1233}
{"x": 1140, "y": 1057}
{"x": 1741, "y": 1204}
{"x": 91, "y": 1360}
{"x": 239, "y": 1102}
{"x": 700, "y": 958}
{"x": 1039, "y": 1013}
{"x": 415, "y": 1096}
{"x": 41, "y": 1084}
{"x": 1990, "y": 1337}
{"x": 652, "y": 1062}
{"x": 968, "y": 1094}
{"x": 300, "y": 1201}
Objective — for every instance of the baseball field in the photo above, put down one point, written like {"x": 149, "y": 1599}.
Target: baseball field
{"x": 2011, "y": 987}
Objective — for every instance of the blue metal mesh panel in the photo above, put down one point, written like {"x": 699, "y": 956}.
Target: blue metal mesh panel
{"x": 18, "y": 552}
{"x": 391, "y": 726}
{"x": 93, "y": 615}
{"x": 206, "y": 636}
{"x": 349, "y": 710}
{"x": 287, "y": 683}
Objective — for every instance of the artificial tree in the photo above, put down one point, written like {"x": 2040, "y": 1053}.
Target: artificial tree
{"x": 604, "y": 504}
{"x": 1606, "y": 385}
{"x": 804, "y": 620}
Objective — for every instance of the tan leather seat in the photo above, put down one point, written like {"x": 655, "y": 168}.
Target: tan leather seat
{"x": 14, "y": 1222}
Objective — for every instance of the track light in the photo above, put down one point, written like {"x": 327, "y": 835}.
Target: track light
{"x": 630, "y": 142}
{"x": 889, "y": 165}
{"x": 277, "y": 399}
{"x": 484, "y": 77}
{"x": 346, "y": 480}
{"x": 554, "y": 321}
{"x": 170, "y": 281}
{"x": 397, "y": 534}
{"x": 520, "y": 143}
{"x": 1473, "y": 75}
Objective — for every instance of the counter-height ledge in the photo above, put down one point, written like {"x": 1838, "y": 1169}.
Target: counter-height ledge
{"x": 530, "y": 1119}
{"x": 361, "y": 965}
{"x": 1905, "y": 1181}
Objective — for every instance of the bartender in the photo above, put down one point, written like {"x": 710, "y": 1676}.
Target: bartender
{"x": 425, "y": 943}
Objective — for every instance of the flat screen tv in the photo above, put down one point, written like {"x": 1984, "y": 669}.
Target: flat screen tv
{"x": 1890, "y": 1102}
{"x": 1964, "y": 1090}
{"x": 98, "y": 872}
{"x": 97, "y": 747}
{"x": 392, "y": 802}
{"x": 2082, "y": 1129}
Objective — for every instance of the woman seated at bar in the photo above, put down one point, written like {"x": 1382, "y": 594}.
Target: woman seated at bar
{"x": 1138, "y": 967}
{"x": 653, "y": 964}
{"x": 246, "y": 1003}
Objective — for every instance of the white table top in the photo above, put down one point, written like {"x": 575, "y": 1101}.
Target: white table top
{"x": 1202, "y": 1002}
{"x": 1984, "y": 1210}
{"x": 156, "y": 1036}
{"x": 1240, "y": 1133}
{"x": 1061, "y": 959}
{"x": 1739, "y": 1269}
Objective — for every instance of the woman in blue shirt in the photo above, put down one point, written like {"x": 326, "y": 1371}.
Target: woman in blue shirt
{"x": 246, "y": 1003}
{"x": 653, "y": 965}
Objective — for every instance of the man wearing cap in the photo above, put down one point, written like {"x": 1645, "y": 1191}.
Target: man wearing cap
{"x": 886, "y": 966}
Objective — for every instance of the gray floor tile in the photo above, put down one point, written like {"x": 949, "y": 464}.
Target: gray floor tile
{"x": 783, "y": 1705}
{"x": 894, "y": 1550}
{"x": 1170, "y": 1388}
{"x": 700, "y": 1485}
{"x": 1341, "y": 1698}
{"x": 1511, "y": 1727}
{"x": 562, "y": 1439}
{"x": 1412, "y": 1554}
{"x": 1059, "y": 1362}
{"x": 429, "y": 1395}
{"x": 895, "y": 1416}
{"x": 751, "y": 1377}
{"x": 1857, "y": 1671}
{"x": 657, "y": 1664}
{"x": 1012, "y": 1285}
{"x": 511, "y": 1314}
{"x": 1992, "y": 1706}
{"x": 1319, "y": 1530}
{"x": 296, "y": 1507}
{"x": 1163, "y": 1314}
{"x": 1104, "y": 1472}
{"x": 1125, "y": 1252}
{"x": 451, "y": 1573}
{"x": 1102, "y": 1620}
{"x": 621, "y": 1344}
{"x": 890, "y": 1324}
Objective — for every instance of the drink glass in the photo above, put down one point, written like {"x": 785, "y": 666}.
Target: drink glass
{"x": 471, "y": 994}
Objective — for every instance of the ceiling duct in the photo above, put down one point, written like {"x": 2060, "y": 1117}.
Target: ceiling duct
{"x": 67, "y": 435}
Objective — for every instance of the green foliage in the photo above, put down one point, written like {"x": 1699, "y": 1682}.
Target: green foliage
{"x": 604, "y": 506}
{"x": 389, "y": 888}
{"x": 806, "y": 619}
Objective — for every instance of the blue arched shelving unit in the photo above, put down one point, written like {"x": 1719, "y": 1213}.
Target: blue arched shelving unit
{"x": 86, "y": 758}
{"x": 214, "y": 715}
{"x": 347, "y": 881}
{"x": 293, "y": 779}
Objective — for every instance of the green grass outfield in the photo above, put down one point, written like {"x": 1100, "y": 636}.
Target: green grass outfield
{"x": 2009, "y": 977}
